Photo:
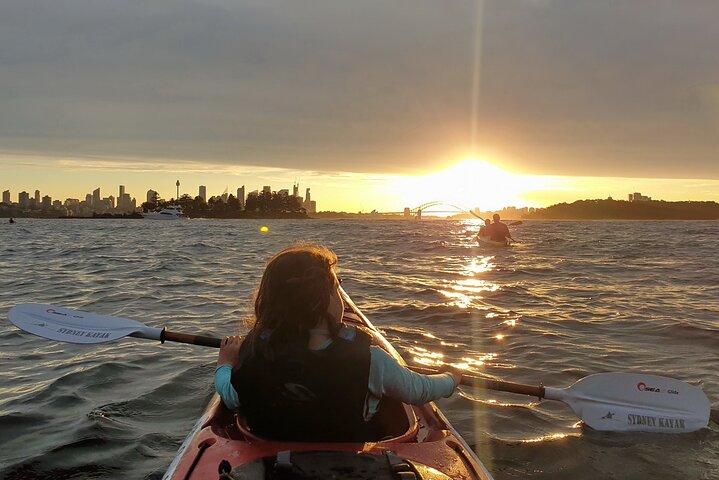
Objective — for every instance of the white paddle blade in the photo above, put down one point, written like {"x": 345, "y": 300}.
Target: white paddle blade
{"x": 635, "y": 402}
{"x": 73, "y": 326}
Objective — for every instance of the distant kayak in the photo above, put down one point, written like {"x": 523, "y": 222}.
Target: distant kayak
{"x": 492, "y": 243}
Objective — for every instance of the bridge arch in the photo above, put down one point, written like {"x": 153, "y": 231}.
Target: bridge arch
{"x": 417, "y": 211}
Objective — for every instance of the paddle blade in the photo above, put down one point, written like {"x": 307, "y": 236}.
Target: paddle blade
{"x": 73, "y": 326}
{"x": 635, "y": 402}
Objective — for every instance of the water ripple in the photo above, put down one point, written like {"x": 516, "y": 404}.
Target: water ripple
{"x": 573, "y": 298}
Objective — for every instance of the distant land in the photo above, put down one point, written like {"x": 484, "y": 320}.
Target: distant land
{"x": 358, "y": 215}
{"x": 626, "y": 210}
{"x": 579, "y": 210}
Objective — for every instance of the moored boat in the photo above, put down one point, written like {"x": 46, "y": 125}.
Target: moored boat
{"x": 171, "y": 212}
{"x": 419, "y": 443}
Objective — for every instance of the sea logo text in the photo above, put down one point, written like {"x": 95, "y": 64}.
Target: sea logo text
{"x": 642, "y": 387}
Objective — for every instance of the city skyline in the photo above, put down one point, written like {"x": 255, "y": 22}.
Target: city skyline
{"x": 94, "y": 202}
{"x": 470, "y": 184}
{"x": 242, "y": 192}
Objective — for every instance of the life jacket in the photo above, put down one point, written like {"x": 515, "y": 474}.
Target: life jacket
{"x": 307, "y": 395}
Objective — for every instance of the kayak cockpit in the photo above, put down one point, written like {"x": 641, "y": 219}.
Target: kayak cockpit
{"x": 428, "y": 449}
{"x": 398, "y": 423}
{"x": 411, "y": 450}
{"x": 337, "y": 464}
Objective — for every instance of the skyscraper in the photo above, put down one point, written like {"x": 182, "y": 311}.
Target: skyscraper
{"x": 122, "y": 204}
{"x": 6, "y": 197}
{"x": 203, "y": 193}
{"x": 23, "y": 199}
{"x": 152, "y": 196}
{"x": 252, "y": 200}
{"x": 37, "y": 198}
{"x": 309, "y": 204}
{"x": 241, "y": 196}
{"x": 96, "y": 197}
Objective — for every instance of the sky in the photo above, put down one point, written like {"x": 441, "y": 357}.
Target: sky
{"x": 372, "y": 104}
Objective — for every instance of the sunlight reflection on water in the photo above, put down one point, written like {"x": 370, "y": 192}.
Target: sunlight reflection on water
{"x": 574, "y": 298}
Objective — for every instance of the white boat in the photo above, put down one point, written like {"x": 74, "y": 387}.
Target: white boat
{"x": 171, "y": 212}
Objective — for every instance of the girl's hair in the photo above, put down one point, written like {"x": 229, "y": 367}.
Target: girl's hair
{"x": 293, "y": 296}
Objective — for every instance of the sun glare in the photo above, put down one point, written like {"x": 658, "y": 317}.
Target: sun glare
{"x": 469, "y": 184}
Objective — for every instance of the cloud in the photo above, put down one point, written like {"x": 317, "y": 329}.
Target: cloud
{"x": 615, "y": 88}
{"x": 141, "y": 165}
{"x": 567, "y": 87}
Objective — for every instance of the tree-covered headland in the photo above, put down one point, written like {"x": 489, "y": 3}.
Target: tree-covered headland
{"x": 261, "y": 205}
{"x": 625, "y": 210}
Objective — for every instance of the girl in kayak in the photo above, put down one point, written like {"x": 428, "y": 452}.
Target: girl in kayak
{"x": 484, "y": 229}
{"x": 301, "y": 374}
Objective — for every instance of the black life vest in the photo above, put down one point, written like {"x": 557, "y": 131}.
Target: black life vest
{"x": 307, "y": 395}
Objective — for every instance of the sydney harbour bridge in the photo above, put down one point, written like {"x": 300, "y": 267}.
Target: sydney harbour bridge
{"x": 433, "y": 207}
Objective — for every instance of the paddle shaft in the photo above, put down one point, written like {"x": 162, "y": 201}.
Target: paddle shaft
{"x": 168, "y": 336}
{"x": 487, "y": 384}
{"x": 468, "y": 381}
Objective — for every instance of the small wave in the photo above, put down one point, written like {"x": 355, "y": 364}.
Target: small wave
{"x": 41, "y": 469}
{"x": 13, "y": 336}
{"x": 63, "y": 392}
{"x": 496, "y": 403}
{"x": 691, "y": 329}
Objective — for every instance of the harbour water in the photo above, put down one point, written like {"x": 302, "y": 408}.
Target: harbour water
{"x": 572, "y": 299}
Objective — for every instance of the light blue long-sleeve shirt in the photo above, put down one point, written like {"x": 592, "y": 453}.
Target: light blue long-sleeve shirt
{"x": 386, "y": 378}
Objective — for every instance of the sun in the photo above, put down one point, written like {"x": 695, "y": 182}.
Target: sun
{"x": 477, "y": 183}
{"x": 471, "y": 183}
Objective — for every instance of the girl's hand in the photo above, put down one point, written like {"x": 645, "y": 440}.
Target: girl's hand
{"x": 457, "y": 377}
{"x": 456, "y": 373}
{"x": 229, "y": 350}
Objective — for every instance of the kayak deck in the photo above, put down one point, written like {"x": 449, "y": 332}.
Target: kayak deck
{"x": 488, "y": 241}
{"x": 420, "y": 444}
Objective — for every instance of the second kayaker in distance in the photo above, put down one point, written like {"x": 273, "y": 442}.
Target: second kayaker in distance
{"x": 484, "y": 229}
{"x": 498, "y": 231}
{"x": 301, "y": 374}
